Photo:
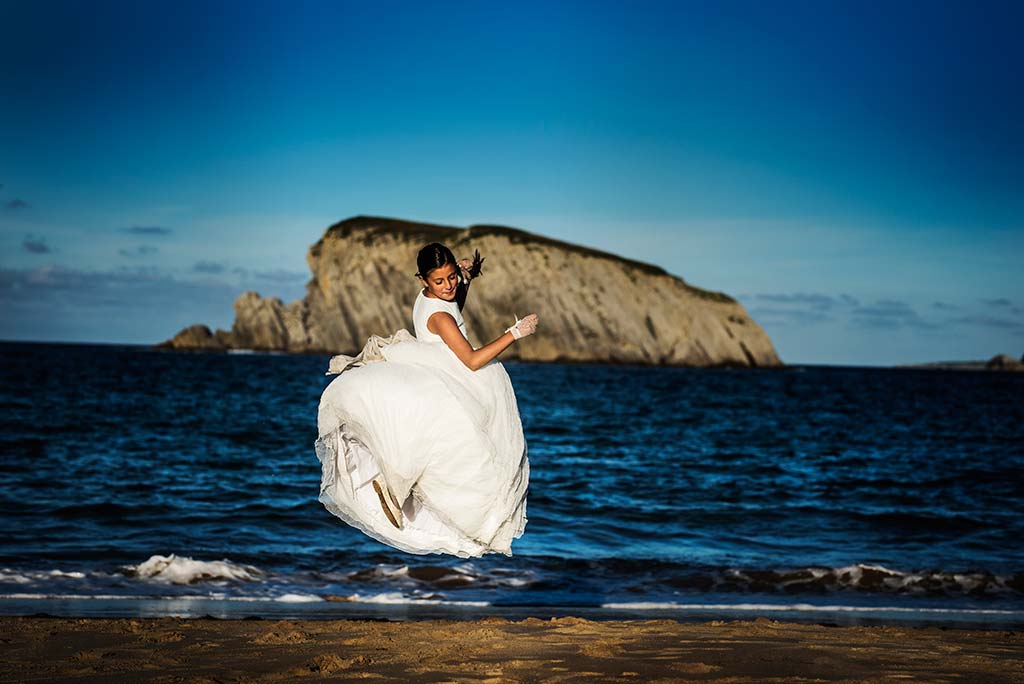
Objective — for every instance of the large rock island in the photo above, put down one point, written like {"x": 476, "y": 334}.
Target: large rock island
{"x": 592, "y": 305}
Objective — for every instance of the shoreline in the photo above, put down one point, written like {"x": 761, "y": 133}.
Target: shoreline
{"x": 306, "y": 607}
{"x": 496, "y": 650}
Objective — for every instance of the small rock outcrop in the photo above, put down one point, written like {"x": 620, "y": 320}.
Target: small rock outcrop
{"x": 199, "y": 336}
{"x": 1005, "y": 362}
{"x": 593, "y": 306}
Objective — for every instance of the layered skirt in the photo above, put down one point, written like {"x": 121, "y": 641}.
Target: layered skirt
{"x": 448, "y": 442}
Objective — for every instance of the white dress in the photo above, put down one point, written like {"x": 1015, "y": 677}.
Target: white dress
{"x": 448, "y": 441}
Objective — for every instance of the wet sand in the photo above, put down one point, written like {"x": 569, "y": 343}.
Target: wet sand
{"x": 496, "y": 650}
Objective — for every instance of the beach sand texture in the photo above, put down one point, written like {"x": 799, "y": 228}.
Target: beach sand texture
{"x": 496, "y": 650}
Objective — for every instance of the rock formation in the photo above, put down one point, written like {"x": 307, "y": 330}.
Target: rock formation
{"x": 1005, "y": 362}
{"x": 593, "y": 306}
{"x": 198, "y": 336}
{"x": 999, "y": 362}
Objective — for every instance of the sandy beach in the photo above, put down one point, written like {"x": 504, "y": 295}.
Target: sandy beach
{"x": 495, "y": 650}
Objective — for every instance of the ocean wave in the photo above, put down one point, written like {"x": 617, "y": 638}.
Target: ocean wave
{"x": 283, "y": 598}
{"x": 27, "y": 577}
{"x": 802, "y": 607}
{"x": 441, "y": 576}
{"x": 539, "y": 581}
{"x": 178, "y": 570}
{"x": 864, "y": 577}
{"x": 391, "y": 597}
{"x": 396, "y": 597}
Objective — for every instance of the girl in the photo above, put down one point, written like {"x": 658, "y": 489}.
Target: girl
{"x": 420, "y": 439}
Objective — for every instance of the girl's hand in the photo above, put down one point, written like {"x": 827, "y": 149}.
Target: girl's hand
{"x": 464, "y": 265}
{"x": 523, "y": 326}
{"x": 471, "y": 268}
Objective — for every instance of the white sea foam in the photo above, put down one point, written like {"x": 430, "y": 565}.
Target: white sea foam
{"x": 800, "y": 607}
{"x": 26, "y": 577}
{"x": 284, "y": 598}
{"x": 514, "y": 582}
{"x": 465, "y": 572}
{"x": 395, "y": 597}
{"x": 299, "y": 598}
{"x": 870, "y": 577}
{"x": 184, "y": 570}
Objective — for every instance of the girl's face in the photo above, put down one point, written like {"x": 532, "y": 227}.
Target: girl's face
{"x": 442, "y": 281}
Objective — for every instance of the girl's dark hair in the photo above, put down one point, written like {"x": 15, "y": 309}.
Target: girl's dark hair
{"x": 434, "y": 255}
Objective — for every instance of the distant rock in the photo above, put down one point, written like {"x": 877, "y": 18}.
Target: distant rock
{"x": 998, "y": 362}
{"x": 199, "y": 336}
{"x": 1004, "y": 362}
{"x": 945, "y": 365}
{"x": 267, "y": 323}
{"x": 593, "y": 306}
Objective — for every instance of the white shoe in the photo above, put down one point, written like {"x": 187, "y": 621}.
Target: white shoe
{"x": 388, "y": 502}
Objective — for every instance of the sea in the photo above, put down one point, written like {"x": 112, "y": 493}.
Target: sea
{"x": 137, "y": 481}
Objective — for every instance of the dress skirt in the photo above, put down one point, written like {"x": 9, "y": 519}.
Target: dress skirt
{"x": 448, "y": 441}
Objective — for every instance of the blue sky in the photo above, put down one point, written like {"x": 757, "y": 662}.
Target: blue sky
{"x": 851, "y": 172}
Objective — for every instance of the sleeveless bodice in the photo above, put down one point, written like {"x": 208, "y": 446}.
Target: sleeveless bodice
{"x": 424, "y": 307}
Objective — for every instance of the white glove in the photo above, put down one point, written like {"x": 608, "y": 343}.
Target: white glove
{"x": 523, "y": 326}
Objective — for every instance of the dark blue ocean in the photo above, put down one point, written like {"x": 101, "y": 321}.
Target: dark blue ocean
{"x": 138, "y": 481}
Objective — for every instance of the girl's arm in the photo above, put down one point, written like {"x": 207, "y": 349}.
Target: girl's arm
{"x": 442, "y": 323}
{"x": 462, "y": 291}
{"x": 469, "y": 269}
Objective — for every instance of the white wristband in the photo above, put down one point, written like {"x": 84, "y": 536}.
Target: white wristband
{"x": 514, "y": 330}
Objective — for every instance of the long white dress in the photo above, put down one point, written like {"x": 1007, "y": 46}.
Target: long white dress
{"x": 447, "y": 440}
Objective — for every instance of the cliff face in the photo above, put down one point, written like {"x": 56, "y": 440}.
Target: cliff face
{"x": 592, "y": 306}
